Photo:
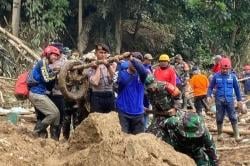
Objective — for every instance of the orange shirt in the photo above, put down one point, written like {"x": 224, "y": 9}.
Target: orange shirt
{"x": 199, "y": 84}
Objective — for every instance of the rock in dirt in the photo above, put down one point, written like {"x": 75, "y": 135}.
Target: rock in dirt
{"x": 99, "y": 141}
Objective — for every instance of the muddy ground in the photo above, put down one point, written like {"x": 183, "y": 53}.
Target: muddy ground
{"x": 228, "y": 151}
{"x": 99, "y": 141}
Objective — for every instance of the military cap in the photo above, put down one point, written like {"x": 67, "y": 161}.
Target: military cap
{"x": 148, "y": 56}
{"x": 178, "y": 56}
{"x": 101, "y": 46}
{"x": 191, "y": 125}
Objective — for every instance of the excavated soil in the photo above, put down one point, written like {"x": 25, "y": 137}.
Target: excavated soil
{"x": 18, "y": 147}
{"x": 97, "y": 141}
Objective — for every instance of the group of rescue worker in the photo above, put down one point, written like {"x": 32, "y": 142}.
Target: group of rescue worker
{"x": 135, "y": 88}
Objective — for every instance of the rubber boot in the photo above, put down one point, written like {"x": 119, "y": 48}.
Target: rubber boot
{"x": 54, "y": 132}
{"x": 220, "y": 130}
{"x": 40, "y": 129}
{"x": 43, "y": 133}
{"x": 236, "y": 132}
{"x": 66, "y": 127}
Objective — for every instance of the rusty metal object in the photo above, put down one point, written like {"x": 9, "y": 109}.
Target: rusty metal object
{"x": 73, "y": 81}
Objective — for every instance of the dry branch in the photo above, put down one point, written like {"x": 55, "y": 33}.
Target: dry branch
{"x": 20, "y": 43}
{"x": 7, "y": 78}
{"x": 233, "y": 148}
{"x": 21, "y": 51}
{"x": 1, "y": 97}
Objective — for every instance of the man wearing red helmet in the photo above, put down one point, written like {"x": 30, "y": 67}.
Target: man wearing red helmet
{"x": 225, "y": 82}
{"x": 40, "y": 81}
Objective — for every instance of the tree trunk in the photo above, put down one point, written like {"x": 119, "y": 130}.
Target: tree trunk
{"x": 79, "y": 23}
{"x": 16, "y": 16}
{"x": 84, "y": 35}
{"x": 138, "y": 21}
{"x": 118, "y": 30}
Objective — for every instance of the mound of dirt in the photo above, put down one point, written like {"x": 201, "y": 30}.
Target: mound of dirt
{"x": 17, "y": 147}
{"x": 96, "y": 128}
{"x": 97, "y": 141}
{"x": 100, "y": 141}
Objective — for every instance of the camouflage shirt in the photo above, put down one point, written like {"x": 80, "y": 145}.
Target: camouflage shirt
{"x": 202, "y": 149}
{"x": 161, "y": 99}
{"x": 182, "y": 71}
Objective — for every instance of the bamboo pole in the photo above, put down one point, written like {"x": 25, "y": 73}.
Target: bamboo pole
{"x": 20, "y": 43}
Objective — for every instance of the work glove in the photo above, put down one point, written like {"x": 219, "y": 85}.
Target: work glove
{"x": 209, "y": 100}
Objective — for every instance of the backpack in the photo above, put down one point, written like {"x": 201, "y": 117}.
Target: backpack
{"x": 21, "y": 86}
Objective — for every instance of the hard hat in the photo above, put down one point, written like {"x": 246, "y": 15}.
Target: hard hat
{"x": 164, "y": 57}
{"x": 50, "y": 50}
{"x": 225, "y": 63}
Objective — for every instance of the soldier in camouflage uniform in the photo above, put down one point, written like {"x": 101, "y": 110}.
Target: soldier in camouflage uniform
{"x": 182, "y": 71}
{"x": 164, "y": 98}
{"x": 187, "y": 133}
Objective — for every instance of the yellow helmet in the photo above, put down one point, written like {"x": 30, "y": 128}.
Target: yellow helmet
{"x": 164, "y": 57}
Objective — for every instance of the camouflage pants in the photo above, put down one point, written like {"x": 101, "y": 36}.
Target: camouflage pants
{"x": 200, "y": 156}
{"x": 202, "y": 159}
{"x": 156, "y": 126}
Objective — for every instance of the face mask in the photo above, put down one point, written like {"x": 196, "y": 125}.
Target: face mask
{"x": 163, "y": 64}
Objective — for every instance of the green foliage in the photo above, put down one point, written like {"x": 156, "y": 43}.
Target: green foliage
{"x": 45, "y": 19}
{"x": 205, "y": 28}
{"x": 194, "y": 28}
{"x": 5, "y": 5}
{"x": 5, "y": 10}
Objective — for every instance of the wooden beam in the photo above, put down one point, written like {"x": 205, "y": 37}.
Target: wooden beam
{"x": 233, "y": 148}
{"x": 230, "y": 131}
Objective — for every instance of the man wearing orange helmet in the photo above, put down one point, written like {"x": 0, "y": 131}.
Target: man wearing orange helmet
{"x": 225, "y": 82}
{"x": 40, "y": 81}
